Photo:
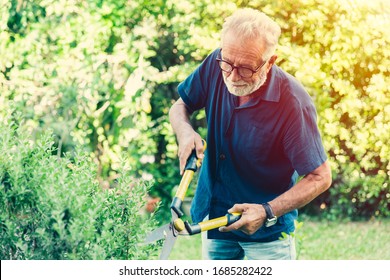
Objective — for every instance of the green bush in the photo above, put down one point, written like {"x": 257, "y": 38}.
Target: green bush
{"x": 103, "y": 74}
{"x": 54, "y": 208}
{"x": 337, "y": 49}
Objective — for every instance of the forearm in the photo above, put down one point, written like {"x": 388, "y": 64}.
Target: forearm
{"x": 179, "y": 118}
{"x": 307, "y": 189}
{"x": 187, "y": 138}
{"x": 311, "y": 186}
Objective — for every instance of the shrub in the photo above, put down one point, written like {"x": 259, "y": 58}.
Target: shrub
{"x": 337, "y": 50}
{"x": 103, "y": 74}
{"x": 54, "y": 208}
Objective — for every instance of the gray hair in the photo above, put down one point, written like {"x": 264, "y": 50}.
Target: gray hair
{"x": 252, "y": 24}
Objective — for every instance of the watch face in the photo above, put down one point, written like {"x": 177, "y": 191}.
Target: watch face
{"x": 271, "y": 222}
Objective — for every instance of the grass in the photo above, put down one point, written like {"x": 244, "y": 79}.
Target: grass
{"x": 319, "y": 240}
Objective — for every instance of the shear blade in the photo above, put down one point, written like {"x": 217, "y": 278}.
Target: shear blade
{"x": 158, "y": 234}
{"x": 168, "y": 243}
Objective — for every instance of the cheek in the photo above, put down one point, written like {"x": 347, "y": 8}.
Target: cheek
{"x": 259, "y": 76}
{"x": 225, "y": 75}
{"x": 250, "y": 81}
{"x": 253, "y": 80}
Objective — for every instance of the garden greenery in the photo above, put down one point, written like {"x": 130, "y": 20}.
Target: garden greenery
{"x": 102, "y": 76}
{"x": 54, "y": 208}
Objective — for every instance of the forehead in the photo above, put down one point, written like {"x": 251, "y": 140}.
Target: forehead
{"x": 242, "y": 52}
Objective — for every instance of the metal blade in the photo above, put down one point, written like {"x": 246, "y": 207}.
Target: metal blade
{"x": 168, "y": 243}
{"x": 158, "y": 234}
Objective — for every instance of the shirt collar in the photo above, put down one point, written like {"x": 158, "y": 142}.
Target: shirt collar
{"x": 271, "y": 89}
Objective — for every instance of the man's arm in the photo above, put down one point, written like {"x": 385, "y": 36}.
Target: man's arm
{"x": 311, "y": 186}
{"x": 187, "y": 138}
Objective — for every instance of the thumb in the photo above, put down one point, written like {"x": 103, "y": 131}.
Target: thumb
{"x": 240, "y": 208}
{"x": 237, "y": 208}
{"x": 199, "y": 146}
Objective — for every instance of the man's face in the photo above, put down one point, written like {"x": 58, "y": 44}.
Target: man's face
{"x": 243, "y": 54}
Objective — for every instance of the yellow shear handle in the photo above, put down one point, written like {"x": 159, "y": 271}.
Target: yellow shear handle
{"x": 226, "y": 220}
{"x": 184, "y": 183}
{"x": 192, "y": 165}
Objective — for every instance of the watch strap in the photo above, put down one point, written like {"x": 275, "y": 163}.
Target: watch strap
{"x": 268, "y": 210}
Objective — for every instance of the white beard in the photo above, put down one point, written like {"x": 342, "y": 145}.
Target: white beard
{"x": 242, "y": 88}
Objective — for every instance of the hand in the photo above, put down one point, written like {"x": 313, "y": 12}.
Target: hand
{"x": 252, "y": 218}
{"x": 186, "y": 145}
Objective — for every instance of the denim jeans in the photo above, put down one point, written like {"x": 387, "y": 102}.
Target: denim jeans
{"x": 217, "y": 249}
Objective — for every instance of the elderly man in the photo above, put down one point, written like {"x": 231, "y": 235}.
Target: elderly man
{"x": 262, "y": 135}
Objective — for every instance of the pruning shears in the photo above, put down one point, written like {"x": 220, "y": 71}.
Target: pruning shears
{"x": 177, "y": 227}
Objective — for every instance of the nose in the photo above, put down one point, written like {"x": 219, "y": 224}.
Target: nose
{"x": 234, "y": 76}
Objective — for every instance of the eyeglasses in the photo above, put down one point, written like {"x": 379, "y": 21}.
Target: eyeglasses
{"x": 244, "y": 72}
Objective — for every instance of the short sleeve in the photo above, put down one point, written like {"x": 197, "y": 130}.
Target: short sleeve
{"x": 302, "y": 141}
{"x": 195, "y": 88}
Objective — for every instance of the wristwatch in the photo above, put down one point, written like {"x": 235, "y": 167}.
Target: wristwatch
{"x": 271, "y": 218}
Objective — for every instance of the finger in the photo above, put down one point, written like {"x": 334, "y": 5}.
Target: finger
{"x": 237, "y": 208}
{"x": 183, "y": 156}
{"x": 182, "y": 165}
{"x": 234, "y": 226}
{"x": 223, "y": 229}
{"x": 240, "y": 208}
{"x": 199, "y": 147}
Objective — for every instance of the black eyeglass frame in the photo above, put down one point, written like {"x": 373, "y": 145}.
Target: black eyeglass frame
{"x": 220, "y": 60}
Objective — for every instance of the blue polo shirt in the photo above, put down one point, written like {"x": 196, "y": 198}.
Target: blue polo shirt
{"x": 256, "y": 151}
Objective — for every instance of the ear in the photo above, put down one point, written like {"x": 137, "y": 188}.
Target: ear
{"x": 271, "y": 62}
{"x": 273, "y": 59}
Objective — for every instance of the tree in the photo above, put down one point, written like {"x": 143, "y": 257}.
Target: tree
{"x": 103, "y": 74}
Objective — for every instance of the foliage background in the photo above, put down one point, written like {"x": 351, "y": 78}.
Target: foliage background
{"x": 54, "y": 208}
{"x": 102, "y": 75}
